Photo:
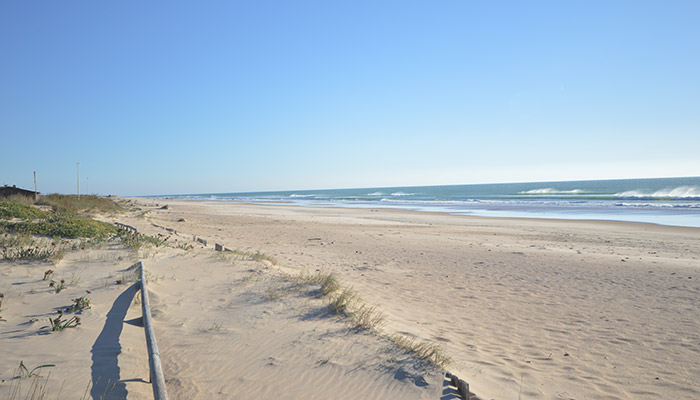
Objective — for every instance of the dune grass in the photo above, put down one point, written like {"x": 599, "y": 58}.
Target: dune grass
{"x": 85, "y": 204}
{"x": 139, "y": 240}
{"x": 431, "y": 352}
{"x": 346, "y": 303}
{"x": 255, "y": 256}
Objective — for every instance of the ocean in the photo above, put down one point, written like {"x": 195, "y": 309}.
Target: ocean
{"x": 666, "y": 201}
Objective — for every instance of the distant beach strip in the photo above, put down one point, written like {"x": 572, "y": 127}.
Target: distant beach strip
{"x": 665, "y": 201}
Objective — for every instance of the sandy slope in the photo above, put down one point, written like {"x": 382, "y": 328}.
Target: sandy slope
{"x": 102, "y": 350}
{"x": 227, "y": 327}
{"x": 527, "y": 308}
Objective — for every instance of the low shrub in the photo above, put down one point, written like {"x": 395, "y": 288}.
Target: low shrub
{"x": 64, "y": 226}
{"x": 87, "y": 204}
{"x": 22, "y": 211}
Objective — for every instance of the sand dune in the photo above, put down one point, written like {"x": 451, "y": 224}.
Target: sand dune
{"x": 526, "y": 308}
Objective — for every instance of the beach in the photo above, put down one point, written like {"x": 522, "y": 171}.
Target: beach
{"x": 526, "y": 308}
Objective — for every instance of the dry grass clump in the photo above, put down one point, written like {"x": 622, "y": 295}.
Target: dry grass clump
{"x": 255, "y": 256}
{"x": 342, "y": 302}
{"x": 367, "y": 318}
{"x": 347, "y": 303}
{"x": 431, "y": 352}
{"x": 24, "y": 247}
{"x": 17, "y": 199}
{"x": 328, "y": 281}
{"x": 30, "y": 253}
{"x": 136, "y": 241}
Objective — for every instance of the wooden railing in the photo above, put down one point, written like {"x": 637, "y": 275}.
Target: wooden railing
{"x": 155, "y": 367}
{"x": 127, "y": 228}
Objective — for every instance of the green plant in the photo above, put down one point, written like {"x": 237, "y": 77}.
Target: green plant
{"x": 138, "y": 240}
{"x": 58, "y": 286}
{"x": 48, "y": 274}
{"x": 79, "y": 304}
{"x": 24, "y": 372}
{"x": 59, "y": 324}
{"x": 20, "y": 211}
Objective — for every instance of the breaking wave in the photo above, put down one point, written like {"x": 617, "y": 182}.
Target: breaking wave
{"x": 552, "y": 191}
{"x": 681, "y": 192}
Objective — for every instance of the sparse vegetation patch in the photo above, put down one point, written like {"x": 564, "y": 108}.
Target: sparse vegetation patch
{"x": 85, "y": 204}
{"x": 59, "y": 324}
{"x": 21, "y": 211}
{"x": 431, "y": 352}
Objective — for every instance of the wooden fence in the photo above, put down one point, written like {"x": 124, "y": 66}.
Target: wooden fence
{"x": 155, "y": 367}
{"x": 127, "y": 228}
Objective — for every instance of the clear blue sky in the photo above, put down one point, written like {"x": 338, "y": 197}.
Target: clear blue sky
{"x": 166, "y": 97}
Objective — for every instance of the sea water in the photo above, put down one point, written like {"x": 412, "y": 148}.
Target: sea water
{"x": 667, "y": 201}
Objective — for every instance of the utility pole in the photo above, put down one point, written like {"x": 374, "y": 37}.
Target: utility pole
{"x": 36, "y": 193}
{"x": 77, "y": 170}
{"x": 87, "y": 191}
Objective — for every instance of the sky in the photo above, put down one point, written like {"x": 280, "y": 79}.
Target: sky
{"x": 174, "y": 97}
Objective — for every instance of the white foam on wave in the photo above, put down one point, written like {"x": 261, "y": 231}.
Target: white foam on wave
{"x": 402, "y": 194}
{"x": 552, "y": 191}
{"x": 658, "y": 205}
{"x": 375, "y": 194}
{"x": 680, "y": 192}
{"x": 301, "y": 195}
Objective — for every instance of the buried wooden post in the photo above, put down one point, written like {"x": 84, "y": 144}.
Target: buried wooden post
{"x": 461, "y": 385}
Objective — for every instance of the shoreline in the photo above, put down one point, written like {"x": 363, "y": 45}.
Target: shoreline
{"x": 666, "y": 201}
{"x": 404, "y": 210}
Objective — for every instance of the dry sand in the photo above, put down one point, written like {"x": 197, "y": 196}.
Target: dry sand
{"x": 527, "y": 309}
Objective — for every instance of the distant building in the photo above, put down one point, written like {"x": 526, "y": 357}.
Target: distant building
{"x": 7, "y": 191}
